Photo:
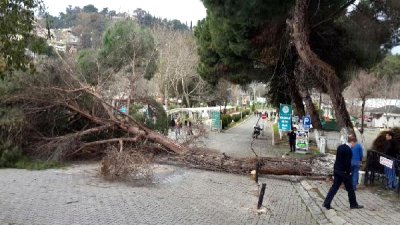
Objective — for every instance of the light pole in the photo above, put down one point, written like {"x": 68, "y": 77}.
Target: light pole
{"x": 241, "y": 106}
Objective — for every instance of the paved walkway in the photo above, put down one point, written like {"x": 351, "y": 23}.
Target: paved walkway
{"x": 180, "y": 196}
{"x": 237, "y": 141}
{"x": 76, "y": 195}
{"x": 380, "y": 208}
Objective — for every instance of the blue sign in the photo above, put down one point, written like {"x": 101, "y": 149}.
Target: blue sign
{"x": 285, "y": 118}
{"x": 306, "y": 122}
{"x": 216, "y": 120}
{"x": 123, "y": 109}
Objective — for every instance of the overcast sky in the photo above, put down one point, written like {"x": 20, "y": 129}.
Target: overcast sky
{"x": 183, "y": 10}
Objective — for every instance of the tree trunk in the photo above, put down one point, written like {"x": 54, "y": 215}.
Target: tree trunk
{"x": 322, "y": 70}
{"x": 362, "y": 115}
{"x": 296, "y": 96}
{"x": 303, "y": 89}
{"x": 132, "y": 127}
{"x": 206, "y": 159}
{"x": 315, "y": 120}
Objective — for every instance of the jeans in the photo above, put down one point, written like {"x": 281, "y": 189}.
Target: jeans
{"x": 391, "y": 177}
{"x": 355, "y": 169}
{"x": 340, "y": 177}
{"x": 292, "y": 146}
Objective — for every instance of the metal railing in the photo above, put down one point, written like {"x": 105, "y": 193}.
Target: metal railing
{"x": 374, "y": 170}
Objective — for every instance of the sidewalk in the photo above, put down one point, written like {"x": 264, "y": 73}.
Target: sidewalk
{"x": 76, "y": 195}
{"x": 378, "y": 209}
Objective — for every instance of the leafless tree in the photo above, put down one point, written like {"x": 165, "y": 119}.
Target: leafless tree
{"x": 388, "y": 89}
{"x": 363, "y": 86}
{"x": 178, "y": 58}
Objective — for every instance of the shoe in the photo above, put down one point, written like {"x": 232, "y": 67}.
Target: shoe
{"x": 356, "y": 207}
{"x": 328, "y": 207}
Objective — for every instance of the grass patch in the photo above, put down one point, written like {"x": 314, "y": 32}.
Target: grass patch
{"x": 276, "y": 136}
{"x": 28, "y": 164}
{"x": 275, "y": 128}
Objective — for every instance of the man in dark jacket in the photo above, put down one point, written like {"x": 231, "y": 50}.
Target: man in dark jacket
{"x": 342, "y": 174}
{"x": 391, "y": 150}
{"x": 292, "y": 140}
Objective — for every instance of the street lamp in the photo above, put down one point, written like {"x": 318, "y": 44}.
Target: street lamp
{"x": 241, "y": 106}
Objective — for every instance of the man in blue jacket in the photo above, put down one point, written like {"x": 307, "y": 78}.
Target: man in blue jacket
{"x": 356, "y": 161}
{"x": 342, "y": 174}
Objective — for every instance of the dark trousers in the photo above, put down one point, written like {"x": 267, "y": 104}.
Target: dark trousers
{"x": 292, "y": 146}
{"x": 340, "y": 177}
{"x": 391, "y": 177}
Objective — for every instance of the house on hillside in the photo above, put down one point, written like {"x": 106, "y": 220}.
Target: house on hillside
{"x": 63, "y": 40}
{"x": 385, "y": 116}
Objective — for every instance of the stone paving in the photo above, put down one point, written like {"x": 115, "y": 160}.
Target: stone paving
{"x": 181, "y": 196}
{"x": 378, "y": 209}
{"x": 77, "y": 195}
{"x": 236, "y": 141}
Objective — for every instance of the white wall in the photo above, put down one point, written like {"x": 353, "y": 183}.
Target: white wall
{"x": 393, "y": 121}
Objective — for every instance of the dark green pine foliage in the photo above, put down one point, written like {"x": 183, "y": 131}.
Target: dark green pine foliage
{"x": 247, "y": 40}
{"x": 125, "y": 42}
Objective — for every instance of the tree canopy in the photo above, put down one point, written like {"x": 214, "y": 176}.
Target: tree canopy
{"x": 127, "y": 44}
{"x": 264, "y": 40}
{"x": 16, "y": 26}
{"x": 242, "y": 37}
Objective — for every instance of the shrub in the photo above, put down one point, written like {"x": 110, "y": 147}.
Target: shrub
{"x": 226, "y": 120}
{"x": 236, "y": 117}
{"x": 128, "y": 165}
{"x": 154, "y": 108}
{"x": 9, "y": 154}
{"x": 253, "y": 107}
{"x": 246, "y": 112}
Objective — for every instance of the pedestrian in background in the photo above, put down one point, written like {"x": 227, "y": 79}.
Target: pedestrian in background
{"x": 292, "y": 140}
{"x": 391, "y": 150}
{"x": 178, "y": 126}
{"x": 190, "y": 131}
{"x": 172, "y": 124}
{"x": 342, "y": 174}
{"x": 356, "y": 161}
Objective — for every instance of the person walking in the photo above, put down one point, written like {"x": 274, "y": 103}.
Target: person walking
{"x": 342, "y": 174}
{"x": 292, "y": 140}
{"x": 172, "y": 124}
{"x": 356, "y": 161}
{"x": 190, "y": 131}
{"x": 391, "y": 150}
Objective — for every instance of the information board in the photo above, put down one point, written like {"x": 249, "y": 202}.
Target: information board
{"x": 302, "y": 143}
{"x": 285, "y": 118}
{"x": 306, "y": 122}
{"x": 215, "y": 121}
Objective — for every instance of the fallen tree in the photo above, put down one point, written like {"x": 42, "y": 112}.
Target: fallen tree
{"x": 207, "y": 159}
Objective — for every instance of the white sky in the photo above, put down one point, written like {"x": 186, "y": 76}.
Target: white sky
{"x": 396, "y": 50}
{"x": 183, "y": 10}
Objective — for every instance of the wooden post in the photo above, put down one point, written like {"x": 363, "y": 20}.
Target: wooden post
{"x": 261, "y": 197}
{"x": 258, "y": 166}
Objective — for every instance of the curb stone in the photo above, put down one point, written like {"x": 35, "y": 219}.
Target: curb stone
{"x": 316, "y": 212}
{"x": 331, "y": 214}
